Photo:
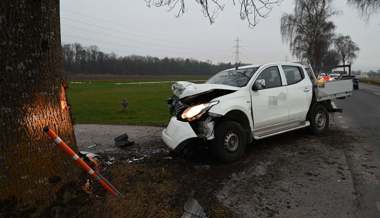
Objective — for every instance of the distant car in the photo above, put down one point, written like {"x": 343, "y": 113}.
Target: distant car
{"x": 355, "y": 82}
{"x": 334, "y": 75}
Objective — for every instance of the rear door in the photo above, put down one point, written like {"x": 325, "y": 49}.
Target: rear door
{"x": 269, "y": 105}
{"x": 300, "y": 92}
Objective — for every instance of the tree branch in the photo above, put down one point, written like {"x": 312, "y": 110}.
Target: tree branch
{"x": 251, "y": 10}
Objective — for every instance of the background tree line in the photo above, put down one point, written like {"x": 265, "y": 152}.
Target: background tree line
{"x": 79, "y": 59}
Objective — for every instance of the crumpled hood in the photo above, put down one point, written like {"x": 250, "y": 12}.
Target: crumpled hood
{"x": 183, "y": 89}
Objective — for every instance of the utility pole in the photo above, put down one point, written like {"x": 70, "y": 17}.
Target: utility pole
{"x": 237, "y": 53}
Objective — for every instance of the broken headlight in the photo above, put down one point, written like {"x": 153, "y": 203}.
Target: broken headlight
{"x": 195, "y": 112}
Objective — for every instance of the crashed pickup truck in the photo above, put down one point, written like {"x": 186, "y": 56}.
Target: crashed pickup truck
{"x": 236, "y": 106}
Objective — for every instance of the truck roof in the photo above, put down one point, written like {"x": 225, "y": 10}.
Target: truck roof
{"x": 271, "y": 63}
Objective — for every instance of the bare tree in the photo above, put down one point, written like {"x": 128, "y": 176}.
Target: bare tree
{"x": 367, "y": 7}
{"x": 32, "y": 96}
{"x": 330, "y": 59}
{"x": 309, "y": 31}
{"x": 346, "y": 48}
{"x": 250, "y": 10}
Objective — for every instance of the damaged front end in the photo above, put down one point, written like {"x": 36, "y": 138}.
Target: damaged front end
{"x": 189, "y": 108}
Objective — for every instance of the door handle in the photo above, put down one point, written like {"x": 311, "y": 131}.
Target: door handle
{"x": 306, "y": 89}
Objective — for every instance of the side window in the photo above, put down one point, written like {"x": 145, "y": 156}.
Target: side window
{"x": 272, "y": 77}
{"x": 293, "y": 74}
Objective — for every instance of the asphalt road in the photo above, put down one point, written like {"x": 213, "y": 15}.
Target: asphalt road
{"x": 362, "y": 117}
{"x": 300, "y": 175}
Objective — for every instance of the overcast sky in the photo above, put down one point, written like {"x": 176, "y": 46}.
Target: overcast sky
{"x": 129, "y": 27}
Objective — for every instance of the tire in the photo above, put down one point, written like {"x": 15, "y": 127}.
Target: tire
{"x": 319, "y": 119}
{"x": 230, "y": 141}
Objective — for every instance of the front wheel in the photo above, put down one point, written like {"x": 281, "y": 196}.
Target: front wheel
{"x": 230, "y": 141}
{"x": 319, "y": 119}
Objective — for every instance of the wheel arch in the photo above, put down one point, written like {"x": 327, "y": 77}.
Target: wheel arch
{"x": 240, "y": 117}
{"x": 326, "y": 104}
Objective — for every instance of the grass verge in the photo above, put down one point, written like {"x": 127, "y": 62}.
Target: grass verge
{"x": 371, "y": 81}
{"x": 100, "y": 102}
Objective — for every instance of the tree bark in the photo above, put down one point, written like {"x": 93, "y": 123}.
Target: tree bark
{"x": 32, "y": 97}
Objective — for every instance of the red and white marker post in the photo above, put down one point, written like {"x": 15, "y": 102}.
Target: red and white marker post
{"x": 81, "y": 163}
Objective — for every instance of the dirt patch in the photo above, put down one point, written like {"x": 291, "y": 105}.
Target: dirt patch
{"x": 159, "y": 187}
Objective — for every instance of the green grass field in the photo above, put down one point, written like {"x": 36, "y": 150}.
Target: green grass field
{"x": 100, "y": 102}
{"x": 372, "y": 81}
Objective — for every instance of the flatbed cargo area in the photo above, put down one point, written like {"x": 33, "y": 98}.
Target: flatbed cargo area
{"x": 334, "y": 89}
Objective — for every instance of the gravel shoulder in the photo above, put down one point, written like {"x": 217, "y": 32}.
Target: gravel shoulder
{"x": 98, "y": 138}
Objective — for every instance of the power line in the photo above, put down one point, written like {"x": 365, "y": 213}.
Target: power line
{"x": 88, "y": 28}
{"x": 135, "y": 39}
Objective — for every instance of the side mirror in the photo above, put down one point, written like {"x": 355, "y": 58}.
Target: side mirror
{"x": 259, "y": 84}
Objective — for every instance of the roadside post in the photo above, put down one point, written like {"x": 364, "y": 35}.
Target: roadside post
{"x": 81, "y": 163}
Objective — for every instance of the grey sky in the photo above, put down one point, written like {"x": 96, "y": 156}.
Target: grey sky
{"x": 129, "y": 27}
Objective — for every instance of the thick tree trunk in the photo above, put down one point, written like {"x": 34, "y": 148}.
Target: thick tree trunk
{"x": 31, "y": 97}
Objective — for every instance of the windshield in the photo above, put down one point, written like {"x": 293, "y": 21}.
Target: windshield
{"x": 238, "y": 78}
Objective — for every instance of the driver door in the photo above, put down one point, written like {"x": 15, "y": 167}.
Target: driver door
{"x": 269, "y": 103}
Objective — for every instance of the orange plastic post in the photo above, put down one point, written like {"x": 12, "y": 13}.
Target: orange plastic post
{"x": 81, "y": 163}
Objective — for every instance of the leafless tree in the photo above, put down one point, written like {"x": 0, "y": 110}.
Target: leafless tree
{"x": 330, "y": 59}
{"x": 250, "y": 10}
{"x": 367, "y": 7}
{"x": 346, "y": 48}
{"x": 309, "y": 31}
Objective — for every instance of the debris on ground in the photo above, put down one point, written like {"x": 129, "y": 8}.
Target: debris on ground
{"x": 91, "y": 146}
{"x": 93, "y": 160}
{"x": 193, "y": 209}
{"x": 135, "y": 159}
{"x": 123, "y": 141}
{"x": 87, "y": 187}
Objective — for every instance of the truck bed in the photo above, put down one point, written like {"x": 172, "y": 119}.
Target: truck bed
{"x": 334, "y": 89}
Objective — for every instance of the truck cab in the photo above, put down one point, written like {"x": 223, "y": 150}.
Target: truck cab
{"x": 236, "y": 106}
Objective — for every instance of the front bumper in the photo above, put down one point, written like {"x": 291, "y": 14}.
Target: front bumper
{"x": 177, "y": 132}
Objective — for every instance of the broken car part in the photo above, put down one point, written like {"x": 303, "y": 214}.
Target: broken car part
{"x": 123, "y": 141}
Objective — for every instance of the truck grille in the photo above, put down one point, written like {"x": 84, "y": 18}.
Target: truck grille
{"x": 175, "y": 106}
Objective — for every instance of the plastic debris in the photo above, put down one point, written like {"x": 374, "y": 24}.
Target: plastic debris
{"x": 91, "y": 146}
{"x": 93, "y": 160}
{"x": 193, "y": 209}
{"x": 87, "y": 187}
{"x": 135, "y": 159}
{"x": 123, "y": 141}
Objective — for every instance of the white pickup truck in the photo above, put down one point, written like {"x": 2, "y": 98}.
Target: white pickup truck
{"x": 237, "y": 106}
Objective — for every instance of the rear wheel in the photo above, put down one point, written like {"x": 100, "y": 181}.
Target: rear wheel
{"x": 230, "y": 141}
{"x": 319, "y": 119}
